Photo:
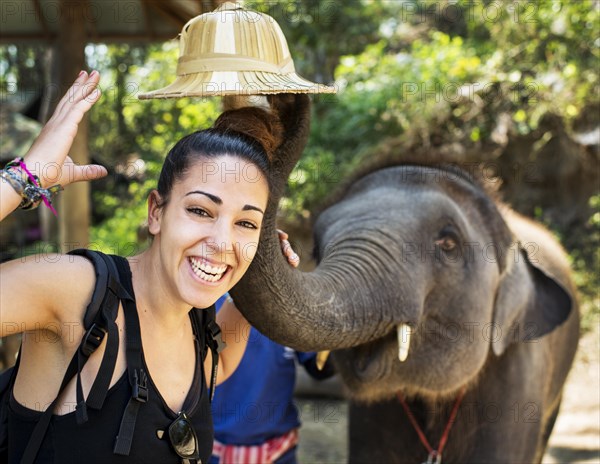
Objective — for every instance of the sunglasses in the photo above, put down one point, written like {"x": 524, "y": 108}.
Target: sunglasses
{"x": 183, "y": 438}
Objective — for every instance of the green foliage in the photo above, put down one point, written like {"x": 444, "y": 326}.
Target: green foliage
{"x": 585, "y": 260}
{"x": 124, "y": 131}
{"x": 20, "y": 70}
{"x": 123, "y": 231}
{"x": 442, "y": 71}
{"x": 314, "y": 30}
{"x": 382, "y": 95}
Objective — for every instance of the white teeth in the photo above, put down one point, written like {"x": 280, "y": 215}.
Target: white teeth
{"x": 322, "y": 359}
{"x": 404, "y": 333}
{"x": 206, "y": 271}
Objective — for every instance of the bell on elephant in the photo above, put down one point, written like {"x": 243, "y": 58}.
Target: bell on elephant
{"x": 234, "y": 51}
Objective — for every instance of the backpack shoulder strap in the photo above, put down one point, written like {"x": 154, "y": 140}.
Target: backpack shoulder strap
{"x": 7, "y": 380}
{"x": 138, "y": 378}
{"x": 206, "y": 323}
{"x": 99, "y": 320}
{"x": 107, "y": 279}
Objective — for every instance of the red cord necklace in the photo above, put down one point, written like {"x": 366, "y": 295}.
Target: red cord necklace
{"x": 435, "y": 455}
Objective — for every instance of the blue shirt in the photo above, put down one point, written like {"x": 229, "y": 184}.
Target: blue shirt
{"x": 256, "y": 404}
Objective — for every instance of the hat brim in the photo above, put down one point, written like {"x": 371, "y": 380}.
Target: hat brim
{"x": 211, "y": 84}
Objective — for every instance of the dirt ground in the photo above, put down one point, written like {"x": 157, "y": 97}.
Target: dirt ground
{"x": 574, "y": 440}
{"x": 576, "y": 435}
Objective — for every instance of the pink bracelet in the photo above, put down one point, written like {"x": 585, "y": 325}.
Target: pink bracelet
{"x": 45, "y": 194}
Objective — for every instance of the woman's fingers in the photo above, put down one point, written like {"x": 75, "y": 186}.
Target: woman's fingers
{"x": 293, "y": 259}
{"x": 83, "y": 89}
{"x": 52, "y": 146}
{"x": 286, "y": 248}
{"x": 78, "y": 101}
{"x": 88, "y": 172}
{"x": 90, "y": 92}
{"x": 282, "y": 235}
{"x": 70, "y": 172}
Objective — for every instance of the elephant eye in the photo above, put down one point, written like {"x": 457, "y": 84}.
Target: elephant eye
{"x": 447, "y": 239}
{"x": 446, "y": 243}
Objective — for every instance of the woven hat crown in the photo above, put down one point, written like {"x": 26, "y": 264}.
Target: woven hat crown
{"x": 232, "y": 50}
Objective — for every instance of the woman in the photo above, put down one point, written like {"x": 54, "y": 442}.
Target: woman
{"x": 205, "y": 219}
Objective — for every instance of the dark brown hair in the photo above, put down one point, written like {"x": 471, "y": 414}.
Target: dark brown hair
{"x": 251, "y": 133}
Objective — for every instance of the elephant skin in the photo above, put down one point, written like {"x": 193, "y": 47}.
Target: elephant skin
{"x": 487, "y": 293}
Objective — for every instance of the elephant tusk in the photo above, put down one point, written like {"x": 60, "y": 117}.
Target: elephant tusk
{"x": 404, "y": 333}
{"x": 322, "y": 359}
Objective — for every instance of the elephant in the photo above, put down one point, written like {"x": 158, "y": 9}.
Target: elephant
{"x": 434, "y": 297}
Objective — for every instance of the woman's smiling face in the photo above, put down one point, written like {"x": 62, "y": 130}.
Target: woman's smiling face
{"x": 208, "y": 231}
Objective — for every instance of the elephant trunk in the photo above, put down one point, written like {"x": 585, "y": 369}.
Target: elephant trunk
{"x": 327, "y": 308}
{"x": 310, "y": 311}
{"x": 338, "y": 305}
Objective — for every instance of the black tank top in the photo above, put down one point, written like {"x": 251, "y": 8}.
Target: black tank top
{"x": 66, "y": 442}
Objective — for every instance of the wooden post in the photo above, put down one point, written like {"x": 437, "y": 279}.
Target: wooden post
{"x": 74, "y": 204}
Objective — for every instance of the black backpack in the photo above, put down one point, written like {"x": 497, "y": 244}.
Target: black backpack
{"x": 99, "y": 322}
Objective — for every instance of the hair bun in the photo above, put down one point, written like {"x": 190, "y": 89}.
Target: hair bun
{"x": 256, "y": 123}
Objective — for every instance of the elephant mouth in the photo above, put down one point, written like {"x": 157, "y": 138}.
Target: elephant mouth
{"x": 374, "y": 360}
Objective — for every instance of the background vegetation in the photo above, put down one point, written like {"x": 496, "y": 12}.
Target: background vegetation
{"x": 508, "y": 87}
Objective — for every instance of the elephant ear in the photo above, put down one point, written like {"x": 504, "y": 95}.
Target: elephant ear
{"x": 530, "y": 303}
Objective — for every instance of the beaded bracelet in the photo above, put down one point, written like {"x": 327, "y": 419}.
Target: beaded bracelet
{"x": 30, "y": 189}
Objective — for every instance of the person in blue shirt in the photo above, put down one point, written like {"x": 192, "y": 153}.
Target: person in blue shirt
{"x": 255, "y": 419}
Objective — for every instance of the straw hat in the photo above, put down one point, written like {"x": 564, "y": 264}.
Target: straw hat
{"x": 234, "y": 51}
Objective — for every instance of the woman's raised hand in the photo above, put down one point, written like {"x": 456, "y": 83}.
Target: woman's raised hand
{"x": 48, "y": 156}
{"x": 287, "y": 250}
